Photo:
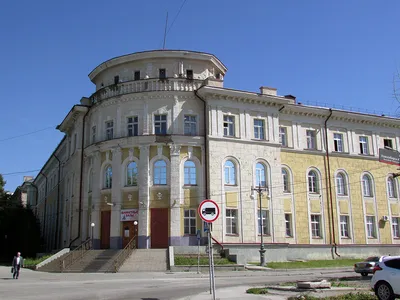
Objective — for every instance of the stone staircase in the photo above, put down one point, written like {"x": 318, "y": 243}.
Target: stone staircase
{"x": 53, "y": 266}
{"x": 94, "y": 261}
{"x": 146, "y": 260}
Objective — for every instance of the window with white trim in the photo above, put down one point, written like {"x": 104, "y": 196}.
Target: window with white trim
{"x": 364, "y": 145}
{"x": 260, "y": 175}
{"x": 283, "y": 136}
{"x": 341, "y": 185}
{"x": 391, "y": 186}
{"x": 190, "y": 125}
{"x": 231, "y": 221}
{"x": 396, "y": 227}
{"x": 371, "y": 231}
{"x": 190, "y": 173}
{"x": 265, "y": 222}
{"x": 367, "y": 186}
{"x": 132, "y": 126}
{"x": 316, "y": 226}
{"x": 160, "y": 172}
{"x": 160, "y": 124}
{"x": 338, "y": 142}
{"x": 189, "y": 221}
{"x": 131, "y": 174}
{"x": 229, "y": 126}
{"x": 288, "y": 225}
{"x": 108, "y": 177}
{"x": 285, "y": 180}
{"x": 229, "y": 173}
{"x": 388, "y": 143}
{"x": 344, "y": 226}
{"x": 313, "y": 186}
{"x": 311, "y": 139}
{"x": 109, "y": 130}
{"x": 259, "y": 129}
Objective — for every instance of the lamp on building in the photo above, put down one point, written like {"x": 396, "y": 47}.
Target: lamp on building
{"x": 92, "y": 226}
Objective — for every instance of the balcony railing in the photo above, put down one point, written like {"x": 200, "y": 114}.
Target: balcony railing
{"x": 146, "y": 85}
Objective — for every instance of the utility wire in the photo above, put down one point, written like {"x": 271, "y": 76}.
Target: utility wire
{"x": 19, "y": 172}
{"x": 172, "y": 23}
{"x": 25, "y": 134}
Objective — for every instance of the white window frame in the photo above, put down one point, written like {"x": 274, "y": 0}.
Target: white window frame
{"x": 364, "y": 149}
{"x": 338, "y": 142}
{"x": 313, "y": 182}
{"x": 131, "y": 174}
{"x": 132, "y": 126}
{"x": 344, "y": 226}
{"x": 259, "y": 129}
{"x": 315, "y": 220}
{"x": 109, "y": 129}
{"x": 158, "y": 170}
{"x": 391, "y": 187}
{"x": 160, "y": 123}
{"x": 396, "y": 227}
{"x": 265, "y": 222}
{"x": 231, "y": 179}
{"x": 190, "y": 125}
{"x": 231, "y": 219}
{"x": 311, "y": 139}
{"x": 261, "y": 173}
{"x": 229, "y": 126}
{"x": 390, "y": 142}
{"x": 367, "y": 186}
{"x": 370, "y": 224}
{"x": 108, "y": 177}
{"x": 288, "y": 225}
{"x": 187, "y": 174}
{"x": 189, "y": 216}
{"x": 341, "y": 186}
{"x": 283, "y": 136}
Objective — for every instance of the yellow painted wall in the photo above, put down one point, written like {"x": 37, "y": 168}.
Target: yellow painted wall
{"x": 354, "y": 167}
{"x": 134, "y": 203}
{"x": 231, "y": 199}
{"x": 163, "y": 203}
{"x": 125, "y": 153}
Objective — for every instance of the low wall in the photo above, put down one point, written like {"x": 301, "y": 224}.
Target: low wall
{"x": 53, "y": 257}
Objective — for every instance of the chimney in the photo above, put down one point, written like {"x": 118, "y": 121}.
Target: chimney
{"x": 291, "y": 98}
{"x": 85, "y": 101}
{"x": 265, "y": 90}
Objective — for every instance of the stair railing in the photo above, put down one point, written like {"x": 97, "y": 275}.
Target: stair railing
{"x": 123, "y": 256}
{"x": 76, "y": 254}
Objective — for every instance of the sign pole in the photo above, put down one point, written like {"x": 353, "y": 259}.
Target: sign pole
{"x": 212, "y": 265}
{"x": 198, "y": 251}
{"x": 209, "y": 258}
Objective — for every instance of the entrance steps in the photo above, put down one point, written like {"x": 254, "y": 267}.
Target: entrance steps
{"x": 146, "y": 260}
{"x": 94, "y": 261}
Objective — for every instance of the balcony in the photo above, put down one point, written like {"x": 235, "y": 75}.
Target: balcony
{"x": 145, "y": 85}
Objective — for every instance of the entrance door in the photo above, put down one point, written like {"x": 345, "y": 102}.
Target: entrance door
{"x": 159, "y": 228}
{"x": 105, "y": 229}
{"x": 129, "y": 230}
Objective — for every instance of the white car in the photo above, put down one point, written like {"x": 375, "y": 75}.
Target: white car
{"x": 386, "y": 279}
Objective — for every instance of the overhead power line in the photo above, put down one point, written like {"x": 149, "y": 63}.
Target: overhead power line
{"x": 25, "y": 134}
{"x": 20, "y": 172}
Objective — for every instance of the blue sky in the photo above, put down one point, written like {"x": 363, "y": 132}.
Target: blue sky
{"x": 334, "y": 52}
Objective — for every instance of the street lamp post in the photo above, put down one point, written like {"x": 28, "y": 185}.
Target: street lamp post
{"x": 259, "y": 191}
{"x": 92, "y": 225}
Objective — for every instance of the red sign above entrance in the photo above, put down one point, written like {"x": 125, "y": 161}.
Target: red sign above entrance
{"x": 129, "y": 214}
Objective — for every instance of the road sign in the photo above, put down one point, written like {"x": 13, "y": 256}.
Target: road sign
{"x": 208, "y": 210}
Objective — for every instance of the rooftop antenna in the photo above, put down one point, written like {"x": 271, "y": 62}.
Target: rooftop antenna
{"x": 165, "y": 31}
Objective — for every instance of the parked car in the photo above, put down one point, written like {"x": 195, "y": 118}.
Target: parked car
{"x": 366, "y": 267}
{"x": 386, "y": 279}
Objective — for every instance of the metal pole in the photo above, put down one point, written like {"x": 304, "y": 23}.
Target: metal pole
{"x": 198, "y": 256}
{"x": 262, "y": 250}
{"x": 212, "y": 266}
{"x": 209, "y": 258}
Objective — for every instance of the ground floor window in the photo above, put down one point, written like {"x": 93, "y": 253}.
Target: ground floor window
{"x": 395, "y": 227}
{"x": 189, "y": 220}
{"x": 344, "y": 226}
{"x": 316, "y": 226}
{"x": 288, "y": 223}
{"x": 231, "y": 221}
{"x": 371, "y": 231}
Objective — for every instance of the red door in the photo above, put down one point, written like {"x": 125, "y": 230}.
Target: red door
{"x": 105, "y": 229}
{"x": 159, "y": 228}
{"x": 129, "y": 231}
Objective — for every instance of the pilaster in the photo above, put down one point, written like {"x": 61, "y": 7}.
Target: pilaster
{"x": 96, "y": 187}
{"x": 175, "y": 201}
{"x": 144, "y": 199}
{"x": 115, "y": 227}
{"x": 84, "y": 215}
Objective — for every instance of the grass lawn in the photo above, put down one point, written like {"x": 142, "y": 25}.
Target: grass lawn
{"x": 350, "y": 296}
{"x": 192, "y": 261}
{"x": 313, "y": 264}
{"x": 31, "y": 262}
{"x": 257, "y": 291}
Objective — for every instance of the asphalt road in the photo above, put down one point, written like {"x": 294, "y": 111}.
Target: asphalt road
{"x": 139, "y": 286}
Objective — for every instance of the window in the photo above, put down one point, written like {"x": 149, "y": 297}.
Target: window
{"x": 229, "y": 126}
{"x": 137, "y": 75}
{"x": 344, "y": 226}
{"x": 230, "y": 173}
{"x": 259, "y": 129}
{"x": 116, "y": 79}
{"x": 189, "y": 74}
{"x": 338, "y": 142}
{"x": 109, "y": 130}
{"x": 316, "y": 226}
{"x": 313, "y": 182}
{"x": 265, "y": 222}
{"x": 190, "y": 125}
{"x": 393, "y": 263}
{"x": 364, "y": 145}
{"x": 367, "y": 186}
{"x": 288, "y": 223}
{"x": 160, "y": 124}
{"x": 388, "y": 143}
{"x": 190, "y": 173}
{"x": 395, "y": 227}
{"x": 108, "y": 178}
{"x": 133, "y": 125}
{"x": 341, "y": 184}
{"x": 285, "y": 179}
{"x": 311, "y": 143}
{"x": 189, "y": 220}
{"x": 391, "y": 186}
{"x": 260, "y": 175}
{"x": 131, "y": 174}
{"x": 371, "y": 227}
{"x": 160, "y": 173}
{"x": 283, "y": 136}
{"x": 93, "y": 134}
{"x": 231, "y": 221}
{"x": 162, "y": 74}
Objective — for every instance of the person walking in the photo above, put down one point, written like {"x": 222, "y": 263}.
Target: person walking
{"x": 17, "y": 264}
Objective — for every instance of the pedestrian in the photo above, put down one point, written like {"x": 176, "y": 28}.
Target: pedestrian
{"x": 17, "y": 264}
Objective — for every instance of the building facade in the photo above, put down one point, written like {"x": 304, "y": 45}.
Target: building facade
{"x": 161, "y": 133}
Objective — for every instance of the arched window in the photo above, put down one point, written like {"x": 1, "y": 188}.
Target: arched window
{"x": 313, "y": 182}
{"x": 108, "y": 177}
{"x": 391, "y": 186}
{"x": 230, "y": 173}
{"x": 160, "y": 173}
{"x": 190, "y": 173}
{"x": 341, "y": 186}
{"x": 285, "y": 179}
{"x": 260, "y": 175}
{"x": 131, "y": 174}
{"x": 367, "y": 186}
